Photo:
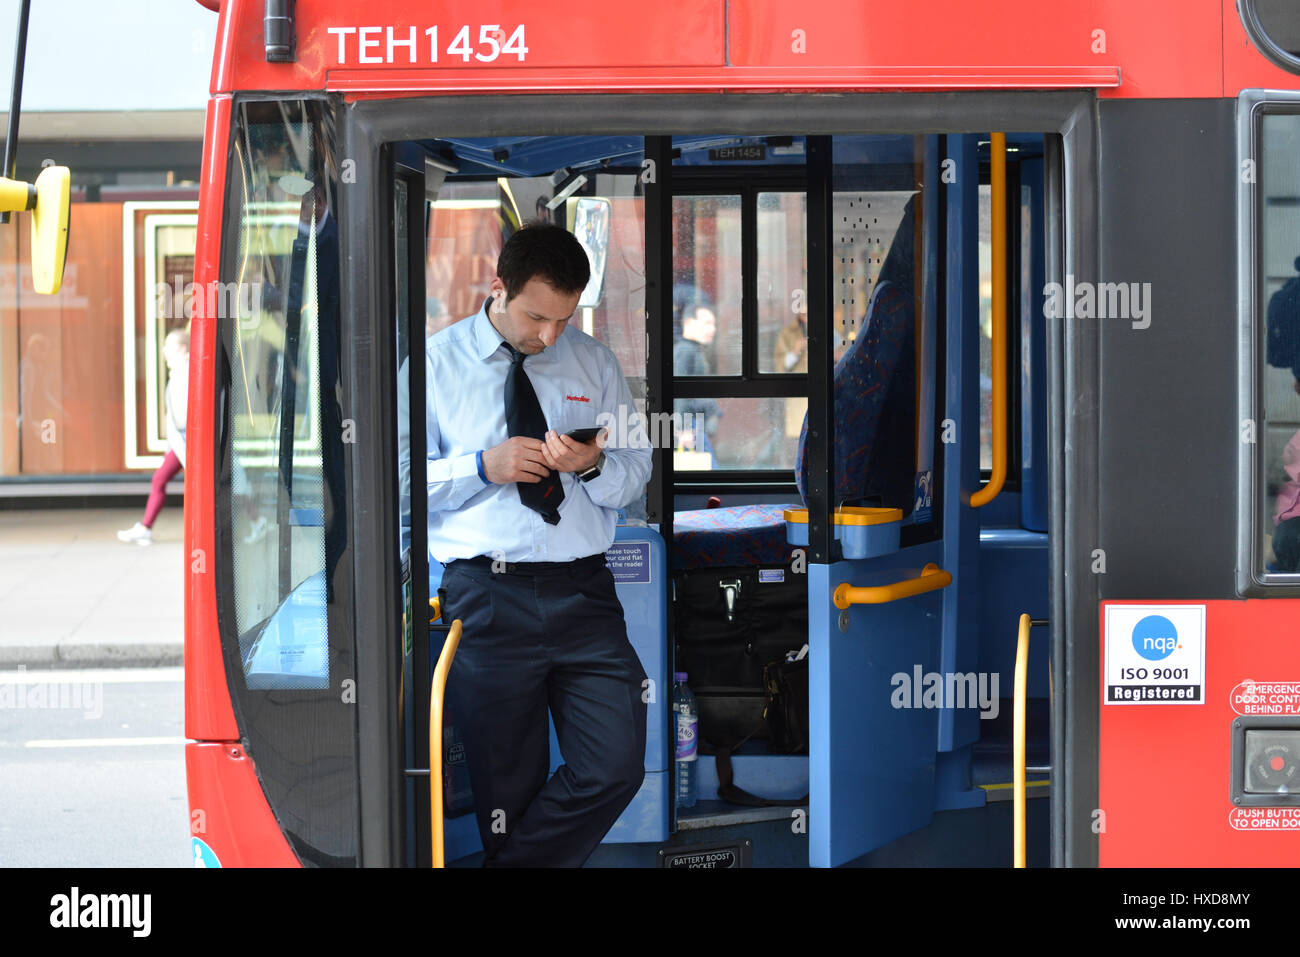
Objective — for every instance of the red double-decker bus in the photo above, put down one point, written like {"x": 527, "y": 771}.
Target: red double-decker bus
{"x": 1075, "y": 418}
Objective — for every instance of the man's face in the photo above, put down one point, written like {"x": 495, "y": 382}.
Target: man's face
{"x": 535, "y": 318}
{"x": 701, "y": 327}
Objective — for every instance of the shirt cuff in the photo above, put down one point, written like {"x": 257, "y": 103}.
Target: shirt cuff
{"x": 478, "y": 462}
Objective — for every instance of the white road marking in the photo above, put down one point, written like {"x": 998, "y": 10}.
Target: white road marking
{"x": 101, "y": 742}
{"x": 106, "y": 676}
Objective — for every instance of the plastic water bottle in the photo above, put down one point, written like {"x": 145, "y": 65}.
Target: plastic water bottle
{"x": 687, "y": 721}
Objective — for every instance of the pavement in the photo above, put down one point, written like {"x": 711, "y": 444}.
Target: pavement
{"x": 73, "y": 596}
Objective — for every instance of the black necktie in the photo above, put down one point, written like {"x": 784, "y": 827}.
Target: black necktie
{"x": 524, "y": 417}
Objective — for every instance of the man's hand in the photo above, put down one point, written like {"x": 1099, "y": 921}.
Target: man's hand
{"x": 519, "y": 459}
{"x": 567, "y": 455}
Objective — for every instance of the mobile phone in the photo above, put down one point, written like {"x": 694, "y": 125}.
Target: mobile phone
{"x": 585, "y": 435}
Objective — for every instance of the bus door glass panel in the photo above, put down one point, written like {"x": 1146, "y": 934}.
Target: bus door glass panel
{"x": 884, "y": 343}
{"x": 284, "y": 600}
{"x": 1278, "y": 297}
{"x": 277, "y": 470}
{"x": 872, "y": 752}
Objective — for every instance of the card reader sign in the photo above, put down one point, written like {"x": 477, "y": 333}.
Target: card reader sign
{"x": 629, "y": 562}
{"x": 1155, "y": 654}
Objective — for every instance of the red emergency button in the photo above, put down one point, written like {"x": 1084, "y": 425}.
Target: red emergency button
{"x": 1277, "y": 764}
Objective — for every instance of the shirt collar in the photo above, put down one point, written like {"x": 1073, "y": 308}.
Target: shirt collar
{"x": 486, "y": 338}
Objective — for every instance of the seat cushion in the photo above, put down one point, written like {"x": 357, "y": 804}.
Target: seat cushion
{"x": 734, "y": 536}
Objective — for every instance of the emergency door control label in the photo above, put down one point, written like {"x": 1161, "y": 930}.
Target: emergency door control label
{"x": 1155, "y": 654}
{"x": 1266, "y": 698}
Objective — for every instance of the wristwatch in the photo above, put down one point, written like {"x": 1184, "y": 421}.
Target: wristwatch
{"x": 592, "y": 472}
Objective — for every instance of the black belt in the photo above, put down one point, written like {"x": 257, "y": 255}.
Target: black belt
{"x": 590, "y": 563}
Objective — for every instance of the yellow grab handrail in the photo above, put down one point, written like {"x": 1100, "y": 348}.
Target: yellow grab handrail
{"x": 932, "y": 577}
{"x": 435, "y": 610}
{"x": 1018, "y": 745}
{"x": 435, "y": 740}
{"x": 998, "y": 219}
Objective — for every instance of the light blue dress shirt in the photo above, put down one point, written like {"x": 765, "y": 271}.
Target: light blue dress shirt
{"x": 576, "y": 379}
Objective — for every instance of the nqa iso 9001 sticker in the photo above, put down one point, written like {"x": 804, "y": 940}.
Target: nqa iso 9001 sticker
{"x": 1155, "y": 654}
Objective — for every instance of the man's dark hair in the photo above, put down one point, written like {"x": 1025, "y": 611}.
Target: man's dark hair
{"x": 547, "y": 252}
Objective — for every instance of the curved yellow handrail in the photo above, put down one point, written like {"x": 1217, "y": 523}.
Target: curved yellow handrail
{"x": 435, "y": 740}
{"x": 435, "y": 610}
{"x": 998, "y": 218}
{"x": 1018, "y": 745}
{"x": 932, "y": 577}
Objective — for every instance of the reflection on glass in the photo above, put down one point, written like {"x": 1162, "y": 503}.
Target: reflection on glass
{"x": 707, "y": 285}
{"x": 783, "y": 293}
{"x": 986, "y": 325}
{"x": 276, "y": 463}
{"x": 754, "y": 438}
{"x": 1279, "y": 297}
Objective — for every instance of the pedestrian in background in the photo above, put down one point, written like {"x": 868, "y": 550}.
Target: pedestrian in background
{"x": 176, "y": 352}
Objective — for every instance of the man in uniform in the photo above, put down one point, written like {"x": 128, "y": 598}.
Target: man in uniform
{"x": 521, "y": 514}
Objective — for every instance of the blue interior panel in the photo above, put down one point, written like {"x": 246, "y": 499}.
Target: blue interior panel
{"x": 1013, "y": 581}
{"x": 774, "y": 776}
{"x": 871, "y": 764}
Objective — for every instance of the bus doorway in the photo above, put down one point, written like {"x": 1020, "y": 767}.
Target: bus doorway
{"x": 900, "y": 325}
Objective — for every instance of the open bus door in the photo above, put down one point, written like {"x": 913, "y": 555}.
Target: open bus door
{"x": 876, "y": 588}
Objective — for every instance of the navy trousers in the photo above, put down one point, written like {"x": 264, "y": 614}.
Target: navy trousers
{"x": 535, "y": 640}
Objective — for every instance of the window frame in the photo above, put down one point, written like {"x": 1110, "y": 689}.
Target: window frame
{"x": 750, "y": 383}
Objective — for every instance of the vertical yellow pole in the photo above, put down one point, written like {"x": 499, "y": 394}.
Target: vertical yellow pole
{"x": 435, "y": 741}
{"x": 1018, "y": 744}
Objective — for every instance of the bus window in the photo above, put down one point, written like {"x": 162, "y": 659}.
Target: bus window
{"x": 783, "y": 284}
{"x": 1278, "y": 290}
{"x": 716, "y": 306}
{"x": 707, "y": 289}
{"x": 276, "y": 462}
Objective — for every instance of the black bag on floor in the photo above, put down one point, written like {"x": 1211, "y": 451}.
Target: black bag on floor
{"x": 786, "y": 714}
{"x": 724, "y": 656}
{"x": 784, "y": 720}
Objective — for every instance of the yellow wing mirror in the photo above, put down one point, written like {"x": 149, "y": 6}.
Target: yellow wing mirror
{"x": 49, "y": 201}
